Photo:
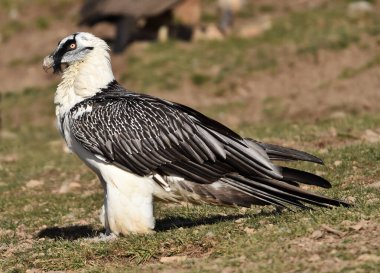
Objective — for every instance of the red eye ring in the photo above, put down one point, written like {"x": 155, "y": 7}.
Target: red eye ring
{"x": 73, "y": 46}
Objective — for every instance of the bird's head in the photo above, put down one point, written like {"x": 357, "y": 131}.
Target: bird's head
{"x": 74, "y": 48}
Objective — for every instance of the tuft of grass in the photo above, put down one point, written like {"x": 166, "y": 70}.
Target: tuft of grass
{"x": 273, "y": 108}
{"x": 42, "y": 22}
{"x": 11, "y": 27}
{"x": 199, "y": 79}
{"x": 352, "y": 72}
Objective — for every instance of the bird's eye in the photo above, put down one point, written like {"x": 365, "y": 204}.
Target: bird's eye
{"x": 73, "y": 46}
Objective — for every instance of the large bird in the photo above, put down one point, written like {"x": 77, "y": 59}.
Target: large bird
{"x": 142, "y": 147}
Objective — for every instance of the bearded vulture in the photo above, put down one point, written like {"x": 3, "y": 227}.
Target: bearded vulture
{"x": 144, "y": 148}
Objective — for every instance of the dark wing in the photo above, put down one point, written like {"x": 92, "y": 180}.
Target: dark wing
{"x": 147, "y": 135}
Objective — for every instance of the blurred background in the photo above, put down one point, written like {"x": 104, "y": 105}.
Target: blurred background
{"x": 267, "y": 59}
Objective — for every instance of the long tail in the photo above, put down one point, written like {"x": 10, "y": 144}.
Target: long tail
{"x": 235, "y": 189}
{"x": 286, "y": 191}
{"x": 282, "y": 193}
{"x": 244, "y": 190}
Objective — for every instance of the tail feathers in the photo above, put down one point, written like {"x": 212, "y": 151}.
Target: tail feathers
{"x": 280, "y": 193}
{"x": 294, "y": 176}
{"x": 280, "y": 153}
{"x": 235, "y": 189}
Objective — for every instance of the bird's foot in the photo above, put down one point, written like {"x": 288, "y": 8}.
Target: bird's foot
{"x": 107, "y": 237}
{"x": 103, "y": 237}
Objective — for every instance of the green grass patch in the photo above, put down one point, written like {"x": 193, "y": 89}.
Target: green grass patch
{"x": 42, "y": 22}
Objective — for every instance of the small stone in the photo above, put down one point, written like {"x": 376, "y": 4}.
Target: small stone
{"x": 316, "y": 234}
{"x": 374, "y": 185}
{"x": 346, "y": 223}
{"x": 14, "y": 14}
{"x": 243, "y": 210}
{"x": 337, "y": 163}
{"x": 208, "y": 33}
{"x": 163, "y": 34}
{"x": 256, "y": 28}
{"x": 338, "y": 115}
{"x": 34, "y": 183}
{"x": 249, "y": 231}
{"x": 7, "y": 134}
{"x": 33, "y": 270}
{"x": 210, "y": 234}
{"x": 373, "y": 201}
{"x": 314, "y": 258}
{"x": 320, "y": 173}
{"x": 173, "y": 259}
{"x": 69, "y": 187}
{"x": 74, "y": 185}
{"x": 359, "y": 8}
{"x": 358, "y": 226}
{"x": 333, "y": 132}
{"x": 369, "y": 258}
{"x": 370, "y": 136}
{"x": 10, "y": 158}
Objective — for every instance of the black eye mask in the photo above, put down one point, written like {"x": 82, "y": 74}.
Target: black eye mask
{"x": 66, "y": 47}
{"x": 57, "y": 57}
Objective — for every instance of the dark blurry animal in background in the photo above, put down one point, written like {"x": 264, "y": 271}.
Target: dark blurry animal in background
{"x": 227, "y": 11}
{"x": 142, "y": 19}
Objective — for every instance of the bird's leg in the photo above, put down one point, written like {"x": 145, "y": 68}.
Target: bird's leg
{"x": 104, "y": 212}
{"x": 126, "y": 27}
{"x": 226, "y": 21}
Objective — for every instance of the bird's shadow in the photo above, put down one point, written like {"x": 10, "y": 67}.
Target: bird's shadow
{"x": 69, "y": 233}
{"x": 75, "y": 232}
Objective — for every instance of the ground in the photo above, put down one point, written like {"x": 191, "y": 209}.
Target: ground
{"x": 311, "y": 82}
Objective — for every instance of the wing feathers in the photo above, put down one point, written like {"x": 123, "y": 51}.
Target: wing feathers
{"x": 212, "y": 143}
{"x": 149, "y": 136}
{"x": 276, "y": 152}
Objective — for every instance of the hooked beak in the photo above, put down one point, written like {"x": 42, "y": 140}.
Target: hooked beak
{"x": 48, "y": 63}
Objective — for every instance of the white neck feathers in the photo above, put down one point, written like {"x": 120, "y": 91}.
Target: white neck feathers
{"x": 83, "y": 79}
